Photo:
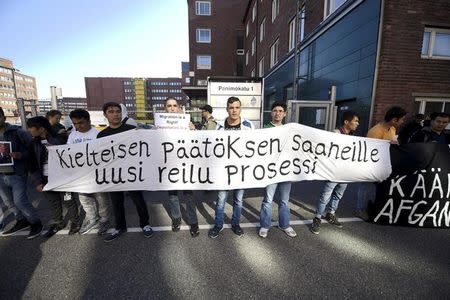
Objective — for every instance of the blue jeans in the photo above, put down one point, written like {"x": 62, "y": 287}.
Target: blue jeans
{"x": 331, "y": 191}
{"x": 13, "y": 191}
{"x": 222, "y": 196}
{"x": 284, "y": 188}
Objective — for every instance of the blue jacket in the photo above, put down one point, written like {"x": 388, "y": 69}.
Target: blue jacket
{"x": 20, "y": 142}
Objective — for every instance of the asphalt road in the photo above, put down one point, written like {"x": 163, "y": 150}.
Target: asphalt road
{"x": 360, "y": 260}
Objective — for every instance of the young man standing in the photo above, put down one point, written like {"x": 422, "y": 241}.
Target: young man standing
{"x": 386, "y": 130}
{"x": 43, "y": 136}
{"x": 171, "y": 106}
{"x": 13, "y": 179}
{"x": 96, "y": 206}
{"x": 208, "y": 120}
{"x": 436, "y": 132}
{"x": 113, "y": 113}
{"x": 284, "y": 188}
{"x": 332, "y": 190}
{"x": 232, "y": 122}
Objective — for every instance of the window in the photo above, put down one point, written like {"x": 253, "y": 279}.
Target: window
{"x": 428, "y": 105}
{"x": 331, "y": 6}
{"x": 202, "y": 82}
{"x": 204, "y": 62}
{"x": 274, "y": 53}
{"x": 252, "y": 74}
{"x": 202, "y": 8}
{"x": 246, "y": 58}
{"x": 261, "y": 67}
{"x": 262, "y": 29}
{"x": 254, "y": 12}
{"x": 253, "y": 46}
{"x": 247, "y": 29}
{"x": 292, "y": 34}
{"x": 203, "y": 35}
{"x": 302, "y": 24}
{"x": 436, "y": 43}
{"x": 187, "y": 80}
{"x": 275, "y": 9}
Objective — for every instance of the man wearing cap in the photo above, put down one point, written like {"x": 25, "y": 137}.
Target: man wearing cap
{"x": 208, "y": 120}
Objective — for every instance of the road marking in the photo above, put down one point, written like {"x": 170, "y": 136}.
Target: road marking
{"x": 186, "y": 227}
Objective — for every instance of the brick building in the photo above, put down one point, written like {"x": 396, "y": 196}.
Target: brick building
{"x": 378, "y": 53}
{"x": 15, "y": 84}
{"x": 216, "y": 36}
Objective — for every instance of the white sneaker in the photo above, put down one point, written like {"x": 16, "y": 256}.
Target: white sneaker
{"x": 263, "y": 232}
{"x": 290, "y": 232}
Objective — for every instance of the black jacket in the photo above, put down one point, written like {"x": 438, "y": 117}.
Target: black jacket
{"x": 20, "y": 142}
{"x": 39, "y": 155}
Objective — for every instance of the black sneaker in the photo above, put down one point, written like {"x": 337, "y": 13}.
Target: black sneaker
{"x": 36, "y": 229}
{"x": 315, "y": 227}
{"x": 237, "y": 230}
{"x": 194, "y": 230}
{"x": 103, "y": 228}
{"x": 214, "y": 232}
{"x": 148, "y": 231}
{"x": 74, "y": 228}
{"x": 176, "y": 224}
{"x": 20, "y": 225}
{"x": 114, "y": 235}
{"x": 331, "y": 218}
{"x": 52, "y": 230}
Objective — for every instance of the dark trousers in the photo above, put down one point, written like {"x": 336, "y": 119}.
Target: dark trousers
{"x": 117, "y": 199}
{"x": 56, "y": 201}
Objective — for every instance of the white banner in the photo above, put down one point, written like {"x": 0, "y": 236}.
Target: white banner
{"x": 215, "y": 160}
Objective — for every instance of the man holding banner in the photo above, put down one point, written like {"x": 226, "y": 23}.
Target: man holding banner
{"x": 333, "y": 190}
{"x": 171, "y": 106}
{"x": 113, "y": 113}
{"x": 284, "y": 188}
{"x": 386, "y": 130}
{"x": 232, "y": 122}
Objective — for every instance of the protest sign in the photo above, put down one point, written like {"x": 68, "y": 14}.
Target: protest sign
{"x": 215, "y": 160}
{"x": 417, "y": 192}
{"x": 172, "y": 121}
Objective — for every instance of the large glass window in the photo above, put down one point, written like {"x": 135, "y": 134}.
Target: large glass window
{"x": 203, "y": 8}
{"x": 204, "y": 62}
{"x": 436, "y": 43}
{"x": 203, "y": 35}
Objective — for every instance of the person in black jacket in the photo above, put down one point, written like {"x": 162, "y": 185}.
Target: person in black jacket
{"x": 43, "y": 136}
{"x": 113, "y": 113}
{"x": 436, "y": 132}
{"x": 13, "y": 178}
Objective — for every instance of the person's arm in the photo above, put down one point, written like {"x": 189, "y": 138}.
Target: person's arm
{"x": 24, "y": 139}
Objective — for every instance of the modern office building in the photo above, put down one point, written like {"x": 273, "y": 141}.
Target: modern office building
{"x": 13, "y": 85}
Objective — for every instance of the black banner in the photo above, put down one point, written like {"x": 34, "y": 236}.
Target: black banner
{"x": 417, "y": 192}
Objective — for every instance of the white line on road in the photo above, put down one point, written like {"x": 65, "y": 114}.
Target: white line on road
{"x": 186, "y": 227}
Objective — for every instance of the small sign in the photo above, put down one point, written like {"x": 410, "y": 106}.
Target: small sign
{"x": 5, "y": 157}
{"x": 172, "y": 121}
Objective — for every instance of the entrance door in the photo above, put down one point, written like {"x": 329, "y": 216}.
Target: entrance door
{"x": 317, "y": 114}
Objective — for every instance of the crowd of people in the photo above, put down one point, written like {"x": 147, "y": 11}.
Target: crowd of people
{"x": 28, "y": 151}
